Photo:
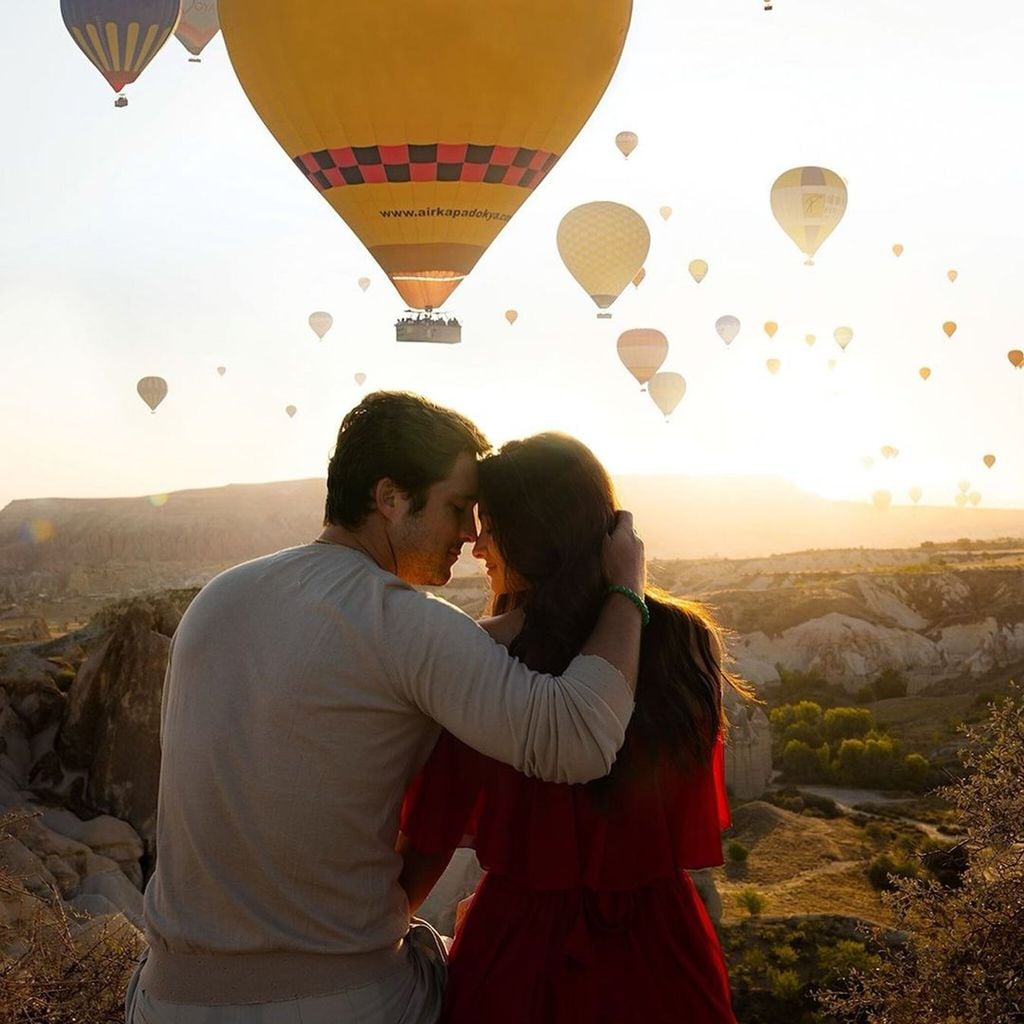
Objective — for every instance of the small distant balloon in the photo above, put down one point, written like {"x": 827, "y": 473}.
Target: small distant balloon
{"x": 915, "y": 493}
{"x": 221, "y": 370}
{"x": 989, "y": 460}
{"x": 364, "y": 283}
{"x": 808, "y": 203}
{"x": 888, "y": 452}
{"x": 843, "y": 336}
{"x": 698, "y": 270}
{"x": 667, "y": 390}
{"x": 897, "y": 249}
{"x": 360, "y": 379}
{"x": 950, "y": 328}
{"x": 640, "y": 275}
{"x": 881, "y": 500}
{"x": 974, "y": 497}
{"x": 867, "y": 462}
{"x": 152, "y": 390}
{"x": 291, "y": 410}
{"x": 963, "y": 486}
{"x": 832, "y": 364}
{"x": 728, "y": 327}
{"x": 321, "y": 323}
{"x": 1016, "y": 357}
{"x": 511, "y": 316}
{"x": 626, "y": 142}
{"x": 773, "y": 365}
{"x": 770, "y": 328}
{"x": 924, "y": 373}
{"x": 642, "y": 351}
{"x": 960, "y": 499}
{"x": 810, "y": 339}
{"x": 665, "y": 211}
{"x": 952, "y": 275}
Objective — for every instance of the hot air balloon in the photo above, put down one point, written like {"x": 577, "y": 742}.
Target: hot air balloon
{"x": 774, "y": 365}
{"x": 950, "y": 328}
{"x": 321, "y": 323}
{"x": 698, "y": 270}
{"x": 626, "y": 142}
{"x": 423, "y": 132}
{"x": 843, "y": 336}
{"x": 881, "y": 500}
{"x": 511, "y": 316}
{"x": 897, "y": 249}
{"x": 642, "y": 350}
{"x": 198, "y": 25}
{"x": 915, "y": 493}
{"x": 888, "y": 452}
{"x": 364, "y": 283}
{"x": 667, "y": 390}
{"x": 291, "y": 410}
{"x": 221, "y": 370}
{"x": 924, "y": 373}
{"x": 831, "y": 364}
{"x": 960, "y": 499}
{"x": 952, "y": 275}
{"x": 665, "y": 211}
{"x": 640, "y": 275}
{"x": 603, "y": 245}
{"x": 120, "y": 37}
{"x": 152, "y": 390}
{"x": 1016, "y": 357}
{"x": 867, "y": 462}
{"x": 808, "y": 202}
{"x": 728, "y": 327}
{"x": 989, "y": 460}
{"x": 810, "y": 339}
{"x": 770, "y": 328}
{"x": 963, "y": 486}
{"x": 360, "y": 379}
{"x": 974, "y": 497}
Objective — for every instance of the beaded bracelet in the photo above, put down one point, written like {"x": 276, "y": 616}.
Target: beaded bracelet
{"x": 641, "y": 604}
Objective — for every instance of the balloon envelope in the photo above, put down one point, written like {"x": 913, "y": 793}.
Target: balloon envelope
{"x": 770, "y": 328}
{"x": 603, "y": 245}
{"x": 665, "y": 211}
{"x": 120, "y": 37}
{"x": 221, "y": 370}
{"x": 364, "y": 283}
{"x": 640, "y": 275}
{"x": 728, "y": 327}
{"x": 291, "y": 410}
{"x": 960, "y": 499}
{"x": 1016, "y": 357}
{"x": 974, "y": 497}
{"x": 810, "y": 339}
{"x": 774, "y": 365}
{"x": 667, "y": 390}
{"x": 888, "y": 452}
{"x": 963, "y": 486}
{"x": 425, "y": 125}
{"x": 320, "y": 322}
{"x": 626, "y": 142}
{"x": 924, "y": 373}
{"x": 897, "y": 249}
{"x": 952, "y": 275}
{"x": 808, "y": 203}
{"x": 915, "y": 493}
{"x": 989, "y": 460}
{"x": 698, "y": 270}
{"x": 843, "y": 336}
{"x": 950, "y": 328}
{"x": 511, "y": 316}
{"x": 360, "y": 379}
{"x": 198, "y": 25}
{"x": 152, "y": 390}
{"x": 642, "y": 351}
{"x": 882, "y": 500}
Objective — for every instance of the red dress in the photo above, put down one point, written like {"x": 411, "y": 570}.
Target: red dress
{"x": 584, "y": 915}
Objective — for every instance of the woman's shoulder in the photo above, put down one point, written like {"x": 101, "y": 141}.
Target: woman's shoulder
{"x": 504, "y": 628}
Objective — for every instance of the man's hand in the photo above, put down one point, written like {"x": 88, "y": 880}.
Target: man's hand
{"x": 622, "y": 558}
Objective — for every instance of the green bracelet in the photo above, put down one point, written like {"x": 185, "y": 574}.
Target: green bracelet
{"x": 641, "y": 604}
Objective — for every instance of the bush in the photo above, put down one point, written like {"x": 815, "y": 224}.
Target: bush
{"x": 752, "y": 901}
{"x": 785, "y": 955}
{"x": 736, "y": 852}
{"x": 784, "y": 985}
{"x": 838, "y": 962}
{"x": 884, "y": 868}
{"x": 847, "y": 723}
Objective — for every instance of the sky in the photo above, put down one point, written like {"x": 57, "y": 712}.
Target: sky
{"x": 174, "y": 235}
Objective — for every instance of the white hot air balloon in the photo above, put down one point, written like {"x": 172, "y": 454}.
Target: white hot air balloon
{"x": 291, "y": 410}
{"x": 364, "y": 283}
{"x": 667, "y": 390}
{"x": 221, "y": 370}
{"x": 321, "y": 323}
{"x": 728, "y": 327}
{"x": 360, "y": 379}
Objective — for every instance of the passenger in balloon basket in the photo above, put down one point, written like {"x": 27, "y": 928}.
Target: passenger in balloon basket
{"x": 585, "y": 912}
{"x": 304, "y": 691}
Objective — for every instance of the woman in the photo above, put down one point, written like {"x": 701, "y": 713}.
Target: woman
{"x": 586, "y": 912}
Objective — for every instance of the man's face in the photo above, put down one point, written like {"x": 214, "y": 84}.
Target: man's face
{"x": 428, "y": 543}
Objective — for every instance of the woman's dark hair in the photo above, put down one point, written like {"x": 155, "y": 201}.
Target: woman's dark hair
{"x": 398, "y": 435}
{"x": 549, "y": 504}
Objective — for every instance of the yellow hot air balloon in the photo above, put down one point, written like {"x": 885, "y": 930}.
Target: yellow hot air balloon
{"x": 950, "y": 328}
{"x": 989, "y": 460}
{"x": 881, "y": 500}
{"x": 774, "y": 365}
{"x": 642, "y": 351}
{"x": 221, "y": 370}
{"x": 960, "y": 499}
{"x": 425, "y": 125}
{"x": 626, "y": 142}
{"x": 915, "y": 493}
{"x": 291, "y": 410}
{"x": 952, "y": 275}
{"x": 321, "y": 323}
{"x": 974, "y": 497}
{"x": 831, "y": 364}
{"x": 1016, "y": 357}
{"x": 511, "y": 316}
{"x": 640, "y": 275}
{"x": 364, "y": 283}
{"x": 810, "y": 339}
{"x": 152, "y": 390}
{"x": 924, "y": 373}
{"x": 698, "y": 270}
{"x": 665, "y": 211}
{"x": 360, "y": 379}
{"x": 770, "y": 328}
{"x": 867, "y": 462}
{"x": 897, "y": 249}
{"x": 843, "y": 336}
{"x": 603, "y": 245}
{"x": 728, "y": 327}
{"x": 198, "y": 25}
{"x": 808, "y": 203}
{"x": 667, "y": 390}
{"x": 888, "y": 452}
{"x": 963, "y": 486}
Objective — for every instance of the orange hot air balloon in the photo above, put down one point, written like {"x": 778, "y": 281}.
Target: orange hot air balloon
{"x": 665, "y": 211}
{"x": 897, "y": 249}
{"x": 511, "y": 316}
{"x": 888, "y": 452}
{"x": 770, "y": 328}
{"x": 989, "y": 460}
{"x": 924, "y": 373}
{"x": 952, "y": 275}
{"x": 425, "y": 125}
{"x": 640, "y": 275}
{"x": 950, "y": 328}
{"x": 642, "y": 351}
{"x": 1016, "y": 357}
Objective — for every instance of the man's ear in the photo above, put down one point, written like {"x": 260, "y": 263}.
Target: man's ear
{"x": 388, "y": 499}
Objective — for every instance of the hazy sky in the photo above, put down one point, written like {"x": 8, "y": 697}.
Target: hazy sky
{"x": 175, "y": 235}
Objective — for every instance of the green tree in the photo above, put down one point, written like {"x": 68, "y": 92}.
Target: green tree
{"x": 752, "y": 901}
{"x": 799, "y": 762}
{"x": 847, "y": 723}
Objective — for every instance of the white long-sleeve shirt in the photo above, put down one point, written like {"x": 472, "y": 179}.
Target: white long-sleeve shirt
{"x": 304, "y": 690}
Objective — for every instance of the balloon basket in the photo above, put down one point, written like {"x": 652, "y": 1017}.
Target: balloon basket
{"x": 121, "y": 101}
{"x": 808, "y": 262}
{"x": 195, "y": 60}
{"x": 604, "y": 316}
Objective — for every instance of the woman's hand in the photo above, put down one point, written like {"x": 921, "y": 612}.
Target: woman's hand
{"x": 622, "y": 557}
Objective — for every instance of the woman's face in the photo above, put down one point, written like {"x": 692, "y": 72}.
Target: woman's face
{"x": 502, "y": 577}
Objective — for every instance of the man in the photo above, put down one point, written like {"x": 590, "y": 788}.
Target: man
{"x": 303, "y": 691}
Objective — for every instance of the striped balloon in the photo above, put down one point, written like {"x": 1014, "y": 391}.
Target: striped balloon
{"x": 199, "y": 24}
{"x": 642, "y": 351}
{"x": 808, "y": 202}
{"x": 120, "y": 37}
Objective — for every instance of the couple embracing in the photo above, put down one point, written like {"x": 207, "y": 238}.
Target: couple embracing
{"x": 330, "y": 735}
